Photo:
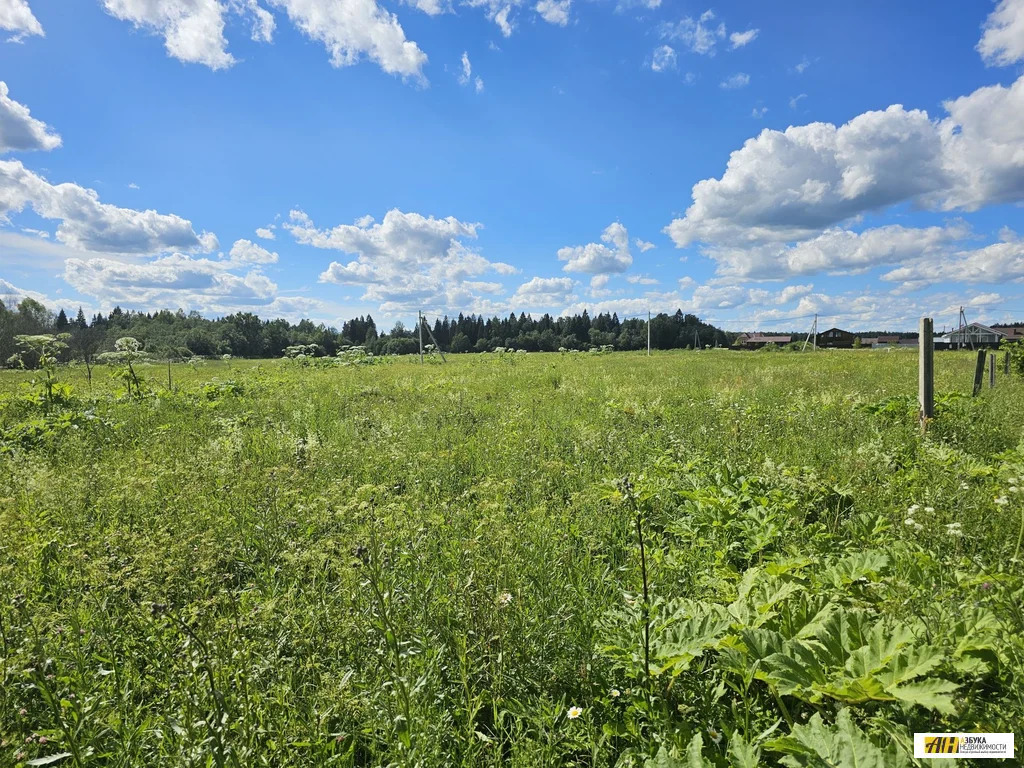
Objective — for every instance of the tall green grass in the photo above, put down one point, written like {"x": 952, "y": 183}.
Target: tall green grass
{"x": 285, "y": 565}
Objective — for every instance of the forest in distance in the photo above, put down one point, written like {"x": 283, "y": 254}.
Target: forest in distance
{"x": 182, "y": 335}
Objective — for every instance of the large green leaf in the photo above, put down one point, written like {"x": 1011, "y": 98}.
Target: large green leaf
{"x": 687, "y": 639}
{"x": 842, "y": 745}
{"x": 933, "y": 694}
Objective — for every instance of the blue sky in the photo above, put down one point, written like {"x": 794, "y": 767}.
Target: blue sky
{"x": 742, "y": 161}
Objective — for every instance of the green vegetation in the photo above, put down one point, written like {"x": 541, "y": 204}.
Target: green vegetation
{"x": 179, "y": 336}
{"x": 690, "y": 559}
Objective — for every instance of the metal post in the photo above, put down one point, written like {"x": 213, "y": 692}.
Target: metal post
{"x": 926, "y": 370}
{"x": 979, "y": 372}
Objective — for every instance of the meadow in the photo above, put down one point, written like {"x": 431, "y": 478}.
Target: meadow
{"x": 702, "y": 558}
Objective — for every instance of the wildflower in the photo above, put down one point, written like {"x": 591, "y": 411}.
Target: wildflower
{"x": 1002, "y": 501}
{"x": 22, "y": 711}
{"x": 987, "y": 586}
{"x": 715, "y": 734}
{"x": 929, "y": 509}
{"x": 910, "y": 522}
{"x": 43, "y": 739}
{"x": 912, "y": 509}
{"x": 953, "y": 529}
{"x": 575, "y": 712}
{"x": 1014, "y": 489}
{"x": 504, "y": 598}
{"x": 1012, "y": 480}
{"x": 616, "y": 693}
{"x": 964, "y": 486}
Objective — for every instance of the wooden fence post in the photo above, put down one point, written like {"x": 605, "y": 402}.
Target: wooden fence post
{"x": 979, "y": 372}
{"x": 926, "y": 371}
{"x": 991, "y": 369}
{"x": 1006, "y": 363}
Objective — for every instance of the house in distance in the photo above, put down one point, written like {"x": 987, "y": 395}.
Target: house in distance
{"x": 835, "y": 338}
{"x": 973, "y": 335}
{"x": 758, "y": 340}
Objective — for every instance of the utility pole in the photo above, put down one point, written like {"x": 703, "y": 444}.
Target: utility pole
{"x": 963, "y": 328}
{"x": 436, "y": 345}
{"x": 419, "y": 315}
{"x": 812, "y": 336}
{"x": 648, "y": 333}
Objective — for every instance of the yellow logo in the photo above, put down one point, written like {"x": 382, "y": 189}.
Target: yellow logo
{"x": 941, "y": 745}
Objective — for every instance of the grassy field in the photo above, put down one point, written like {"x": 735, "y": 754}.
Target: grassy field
{"x": 282, "y": 565}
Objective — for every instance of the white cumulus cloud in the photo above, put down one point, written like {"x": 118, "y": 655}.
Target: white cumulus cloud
{"x": 91, "y": 225}
{"x": 543, "y": 293}
{"x": 350, "y": 30}
{"x": 247, "y": 252}
{"x": 610, "y": 255}
{"x": 405, "y": 261}
{"x": 1002, "y": 42}
{"x": 17, "y": 17}
{"x": 792, "y": 184}
{"x": 354, "y": 29}
{"x": 193, "y": 30}
{"x": 554, "y": 11}
{"x": 994, "y": 264}
{"x": 835, "y": 250}
{"x": 176, "y": 280}
{"x": 19, "y": 130}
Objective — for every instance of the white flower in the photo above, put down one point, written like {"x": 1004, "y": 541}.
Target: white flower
{"x": 575, "y": 712}
{"x": 929, "y": 509}
{"x": 918, "y": 527}
{"x": 910, "y": 522}
{"x": 616, "y": 693}
{"x": 504, "y": 598}
{"x": 1011, "y": 479}
{"x": 715, "y": 734}
{"x": 913, "y": 508}
{"x": 1014, "y": 489}
{"x": 1002, "y": 501}
{"x": 953, "y": 529}
{"x": 964, "y": 486}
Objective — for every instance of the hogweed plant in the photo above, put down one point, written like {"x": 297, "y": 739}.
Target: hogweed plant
{"x": 127, "y": 352}
{"x": 42, "y": 352}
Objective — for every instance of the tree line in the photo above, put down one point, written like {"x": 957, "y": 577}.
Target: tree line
{"x": 180, "y": 335}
